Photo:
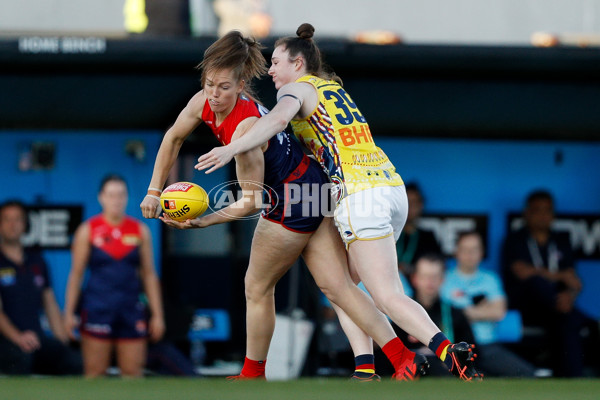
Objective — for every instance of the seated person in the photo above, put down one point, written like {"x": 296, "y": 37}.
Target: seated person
{"x": 26, "y": 292}
{"x": 427, "y": 280}
{"x": 480, "y": 295}
{"x": 541, "y": 282}
{"x": 414, "y": 241}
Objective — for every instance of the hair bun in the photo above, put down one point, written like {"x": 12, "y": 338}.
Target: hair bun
{"x": 305, "y": 31}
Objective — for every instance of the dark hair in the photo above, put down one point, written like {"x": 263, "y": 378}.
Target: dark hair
{"x": 539, "y": 195}
{"x": 236, "y": 52}
{"x": 111, "y": 178}
{"x": 14, "y": 203}
{"x": 414, "y": 186}
{"x": 432, "y": 257}
{"x": 304, "y": 45}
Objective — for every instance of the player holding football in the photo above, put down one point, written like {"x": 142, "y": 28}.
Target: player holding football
{"x": 327, "y": 121}
{"x": 226, "y": 105}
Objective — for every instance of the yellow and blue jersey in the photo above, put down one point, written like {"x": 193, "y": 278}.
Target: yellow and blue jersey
{"x": 339, "y": 137}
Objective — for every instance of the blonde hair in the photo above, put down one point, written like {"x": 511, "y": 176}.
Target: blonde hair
{"x": 242, "y": 55}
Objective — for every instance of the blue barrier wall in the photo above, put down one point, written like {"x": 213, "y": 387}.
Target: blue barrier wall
{"x": 456, "y": 176}
{"x": 494, "y": 178}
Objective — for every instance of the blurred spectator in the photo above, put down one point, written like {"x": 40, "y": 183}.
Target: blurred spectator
{"x": 414, "y": 241}
{"x": 157, "y": 17}
{"x": 480, "y": 295}
{"x": 541, "y": 282}
{"x": 427, "y": 280}
{"x": 247, "y": 16}
{"x": 118, "y": 251}
{"x": 25, "y": 293}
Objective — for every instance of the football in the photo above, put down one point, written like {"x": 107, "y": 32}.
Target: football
{"x": 184, "y": 200}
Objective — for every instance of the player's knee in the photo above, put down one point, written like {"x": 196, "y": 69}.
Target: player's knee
{"x": 256, "y": 290}
{"x": 335, "y": 291}
{"x": 386, "y": 301}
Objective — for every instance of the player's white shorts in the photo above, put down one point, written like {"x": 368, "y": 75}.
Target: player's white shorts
{"x": 372, "y": 214}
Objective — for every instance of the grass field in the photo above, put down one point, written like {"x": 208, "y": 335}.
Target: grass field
{"x": 219, "y": 389}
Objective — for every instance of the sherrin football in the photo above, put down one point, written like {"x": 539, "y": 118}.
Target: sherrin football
{"x": 184, "y": 200}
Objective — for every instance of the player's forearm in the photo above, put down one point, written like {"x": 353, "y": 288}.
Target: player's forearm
{"x": 165, "y": 158}
{"x": 73, "y": 291}
{"x": 8, "y": 329}
{"x": 241, "y": 208}
{"x": 54, "y": 318}
{"x": 152, "y": 289}
{"x": 486, "y": 311}
{"x": 264, "y": 129}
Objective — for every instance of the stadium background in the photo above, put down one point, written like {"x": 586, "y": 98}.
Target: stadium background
{"x": 465, "y": 106}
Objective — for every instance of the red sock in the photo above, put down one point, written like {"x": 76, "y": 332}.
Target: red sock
{"x": 253, "y": 369}
{"x": 395, "y": 352}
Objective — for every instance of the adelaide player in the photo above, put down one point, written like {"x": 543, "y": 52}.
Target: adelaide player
{"x": 117, "y": 249}
{"x": 371, "y": 204}
{"x": 226, "y": 105}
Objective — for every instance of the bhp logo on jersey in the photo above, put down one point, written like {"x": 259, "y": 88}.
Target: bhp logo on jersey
{"x": 351, "y": 136}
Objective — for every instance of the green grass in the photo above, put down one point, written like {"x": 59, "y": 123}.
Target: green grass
{"x": 219, "y": 389}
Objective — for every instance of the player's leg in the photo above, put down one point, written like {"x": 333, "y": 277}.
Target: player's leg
{"x": 96, "y": 355}
{"x": 274, "y": 250}
{"x": 326, "y": 258}
{"x": 373, "y": 256}
{"x": 131, "y": 356}
{"x": 373, "y": 261}
{"x": 362, "y": 347}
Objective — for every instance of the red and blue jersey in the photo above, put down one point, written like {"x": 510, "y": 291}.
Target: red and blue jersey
{"x": 282, "y": 157}
{"x": 285, "y": 164}
{"x": 113, "y": 263}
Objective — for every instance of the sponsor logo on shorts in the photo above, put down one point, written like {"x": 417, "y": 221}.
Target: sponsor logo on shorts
{"x": 97, "y": 328}
{"x": 141, "y": 326}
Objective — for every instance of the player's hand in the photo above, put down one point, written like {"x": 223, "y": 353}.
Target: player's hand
{"x": 156, "y": 328}
{"x": 215, "y": 159}
{"x": 187, "y": 224}
{"x": 150, "y": 207}
{"x": 28, "y": 341}
{"x": 71, "y": 321}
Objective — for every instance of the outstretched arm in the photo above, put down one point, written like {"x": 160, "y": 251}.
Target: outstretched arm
{"x": 250, "y": 169}
{"x": 187, "y": 121}
{"x": 266, "y": 127}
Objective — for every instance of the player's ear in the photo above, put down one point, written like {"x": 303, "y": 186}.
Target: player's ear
{"x": 241, "y": 87}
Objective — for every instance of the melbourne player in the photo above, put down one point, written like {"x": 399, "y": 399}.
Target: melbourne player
{"x": 117, "y": 251}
